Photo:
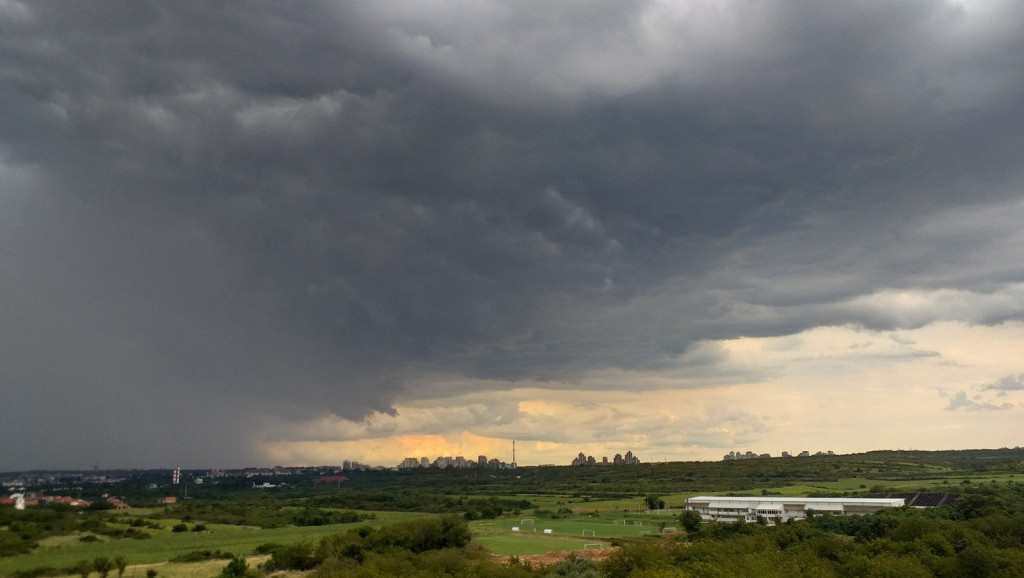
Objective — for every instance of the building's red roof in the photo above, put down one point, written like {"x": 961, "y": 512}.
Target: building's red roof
{"x": 330, "y": 480}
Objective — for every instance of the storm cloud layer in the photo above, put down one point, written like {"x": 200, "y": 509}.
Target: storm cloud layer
{"x": 223, "y": 224}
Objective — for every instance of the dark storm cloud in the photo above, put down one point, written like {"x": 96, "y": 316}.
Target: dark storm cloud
{"x": 215, "y": 212}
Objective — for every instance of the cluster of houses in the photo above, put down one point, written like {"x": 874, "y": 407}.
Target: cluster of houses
{"x": 21, "y": 501}
{"x": 254, "y": 472}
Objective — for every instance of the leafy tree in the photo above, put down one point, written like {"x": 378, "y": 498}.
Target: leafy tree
{"x": 654, "y": 502}
{"x": 83, "y": 568}
{"x": 151, "y": 573}
{"x": 121, "y": 564}
{"x": 103, "y": 565}
{"x": 690, "y": 521}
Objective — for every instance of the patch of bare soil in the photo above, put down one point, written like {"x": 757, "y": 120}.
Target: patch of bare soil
{"x": 596, "y": 554}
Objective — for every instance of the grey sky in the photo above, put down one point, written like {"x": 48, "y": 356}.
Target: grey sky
{"x": 218, "y": 217}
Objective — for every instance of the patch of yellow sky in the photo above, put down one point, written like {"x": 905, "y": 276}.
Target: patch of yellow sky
{"x": 846, "y": 389}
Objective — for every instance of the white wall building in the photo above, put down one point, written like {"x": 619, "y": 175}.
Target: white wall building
{"x": 748, "y": 508}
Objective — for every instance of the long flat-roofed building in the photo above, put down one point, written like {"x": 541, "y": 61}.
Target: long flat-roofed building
{"x": 772, "y": 508}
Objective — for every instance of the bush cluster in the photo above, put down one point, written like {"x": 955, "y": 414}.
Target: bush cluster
{"x": 415, "y": 536}
{"x": 202, "y": 556}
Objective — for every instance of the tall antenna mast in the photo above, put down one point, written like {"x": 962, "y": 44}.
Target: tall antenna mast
{"x": 513, "y": 453}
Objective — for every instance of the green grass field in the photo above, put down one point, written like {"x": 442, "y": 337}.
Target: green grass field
{"x": 569, "y": 533}
{"x": 635, "y": 504}
{"x": 64, "y": 551}
{"x": 939, "y": 484}
{"x": 194, "y": 569}
{"x": 604, "y": 528}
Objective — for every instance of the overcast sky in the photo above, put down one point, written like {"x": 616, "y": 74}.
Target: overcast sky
{"x": 299, "y": 232}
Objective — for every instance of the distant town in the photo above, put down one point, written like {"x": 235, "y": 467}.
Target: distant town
{"x": 619, "y": 460}
{"x": 75, "y": 479}
{"x": 752, "y": 456}
{"x": 22, "y": 489}
{"x": 444, "y": 462}
{"x": 482, "y": 462}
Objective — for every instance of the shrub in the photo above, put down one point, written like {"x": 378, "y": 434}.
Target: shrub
{"x": 300, "y": 556}
{"x": 203, "y": 555}
{"x": 267, "y": 548}
{"x": 137, "y": 534}
{"x": 12, "y": 544}
{"x": 448, "y": 531}
{"x": 237, "y": 567}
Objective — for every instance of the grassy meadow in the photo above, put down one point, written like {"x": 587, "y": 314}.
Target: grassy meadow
{"x": 65, "y": 551}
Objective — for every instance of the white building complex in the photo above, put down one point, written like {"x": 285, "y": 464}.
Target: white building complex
{"x": 779, "y": 508}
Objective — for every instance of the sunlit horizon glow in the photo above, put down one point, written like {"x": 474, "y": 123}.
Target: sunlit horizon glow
{"x": 829, "y": 380}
